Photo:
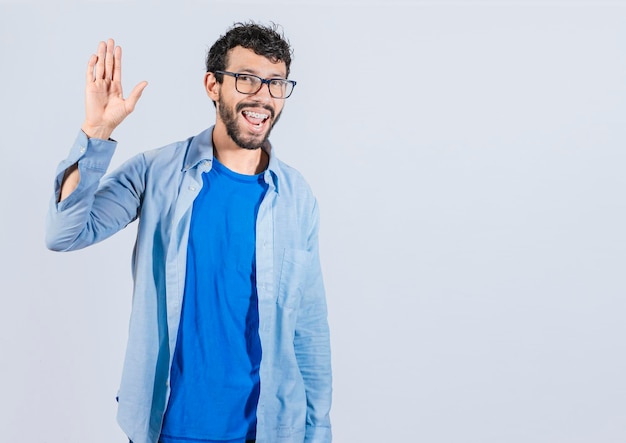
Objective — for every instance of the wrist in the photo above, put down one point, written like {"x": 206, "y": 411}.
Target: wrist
{"x": 98, "y": 132}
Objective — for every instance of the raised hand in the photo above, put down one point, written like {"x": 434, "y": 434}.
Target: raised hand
{"x": 105, "y": 105}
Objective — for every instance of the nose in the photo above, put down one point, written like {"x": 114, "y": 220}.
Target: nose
{"x": 264, "y": 92}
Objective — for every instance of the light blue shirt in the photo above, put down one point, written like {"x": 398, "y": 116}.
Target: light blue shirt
{"x": 159, "y": 187}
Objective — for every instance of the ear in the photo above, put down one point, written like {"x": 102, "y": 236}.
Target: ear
{"x": 212, "y": 86}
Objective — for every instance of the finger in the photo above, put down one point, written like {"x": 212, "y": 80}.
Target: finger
{"x": 90, "y": 66}
{"x": 134, "y": 95}
{"x": 109, "y": 61}
{"x": 117, "y": 67}
{"x": 100, "y": 61}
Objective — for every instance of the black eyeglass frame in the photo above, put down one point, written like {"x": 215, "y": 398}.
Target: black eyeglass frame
{"x": 264, "y": 81}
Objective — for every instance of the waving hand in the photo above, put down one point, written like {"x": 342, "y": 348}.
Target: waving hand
{"x": 105, "y": 105}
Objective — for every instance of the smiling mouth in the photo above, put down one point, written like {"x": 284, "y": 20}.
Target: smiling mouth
{"x": 256, "y": 119}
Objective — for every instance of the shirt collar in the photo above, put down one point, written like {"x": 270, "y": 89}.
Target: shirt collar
{"x": 200, "y": 152}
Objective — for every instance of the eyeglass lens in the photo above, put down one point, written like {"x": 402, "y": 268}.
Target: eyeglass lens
{"x": 250, "y": 84}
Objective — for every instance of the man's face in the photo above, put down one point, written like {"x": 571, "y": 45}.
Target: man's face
{"x": 249, "y": 118}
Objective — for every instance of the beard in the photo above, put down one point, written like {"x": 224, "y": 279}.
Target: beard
{"x": 234, "y": 131}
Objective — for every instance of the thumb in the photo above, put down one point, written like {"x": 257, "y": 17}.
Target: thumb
{"x": 134, "y": 95}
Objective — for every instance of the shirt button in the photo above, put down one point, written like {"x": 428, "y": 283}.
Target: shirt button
{"x": 192, "y": 188}
{"x": 82, "y": 149}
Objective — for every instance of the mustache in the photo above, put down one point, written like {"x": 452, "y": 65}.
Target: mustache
{"x": 241, "y": 106}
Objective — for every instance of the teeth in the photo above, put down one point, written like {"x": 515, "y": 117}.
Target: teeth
{"x": 256, "y": 115}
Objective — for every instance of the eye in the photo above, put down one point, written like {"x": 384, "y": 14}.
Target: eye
{"x": 278, "y": 85}
{"x": 250, "y": 79}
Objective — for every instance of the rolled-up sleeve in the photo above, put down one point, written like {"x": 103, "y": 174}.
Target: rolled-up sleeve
{"x": 99, "y": 206}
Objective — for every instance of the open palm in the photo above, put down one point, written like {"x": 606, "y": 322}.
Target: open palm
{"x": 105, "y": 105}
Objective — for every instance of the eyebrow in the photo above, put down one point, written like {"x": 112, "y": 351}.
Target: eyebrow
{"x": 252, "y": 71}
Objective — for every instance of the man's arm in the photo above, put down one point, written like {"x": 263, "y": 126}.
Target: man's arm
{"x": 99, "y": 206}
{"x": 312, "y": 346}
{"x": 105, "y": 106}
{"x": 85, "y": 209}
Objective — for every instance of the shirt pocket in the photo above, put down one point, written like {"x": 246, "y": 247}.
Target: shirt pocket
{"x": 293, "y": 276}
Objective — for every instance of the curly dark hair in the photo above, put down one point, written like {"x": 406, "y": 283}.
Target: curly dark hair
{"x": 267, "y": 41}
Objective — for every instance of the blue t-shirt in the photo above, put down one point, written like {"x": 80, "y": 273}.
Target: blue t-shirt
{"x": 215, "y": 370}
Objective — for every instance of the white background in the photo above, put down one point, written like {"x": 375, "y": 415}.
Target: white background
{"x": 468, "y": 158}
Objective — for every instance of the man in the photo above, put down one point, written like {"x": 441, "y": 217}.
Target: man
{"x": 228, "y": 338}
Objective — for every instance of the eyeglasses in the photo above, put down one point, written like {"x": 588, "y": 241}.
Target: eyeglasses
{"x": 251, "y": 84}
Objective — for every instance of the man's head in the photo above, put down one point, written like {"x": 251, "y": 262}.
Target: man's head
{"x": 263, "y": 40}
{"x": 244, "y": 52}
